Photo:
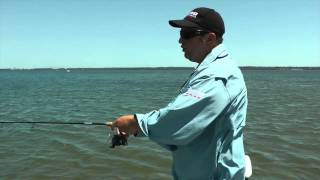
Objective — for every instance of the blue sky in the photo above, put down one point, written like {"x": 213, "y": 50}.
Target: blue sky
{"x": 136, "y": 33}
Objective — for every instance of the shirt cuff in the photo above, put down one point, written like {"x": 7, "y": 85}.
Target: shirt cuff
{"x": 142, "y": 132}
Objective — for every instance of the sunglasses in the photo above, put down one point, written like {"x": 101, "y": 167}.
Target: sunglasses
{"x": 190, "y": 33}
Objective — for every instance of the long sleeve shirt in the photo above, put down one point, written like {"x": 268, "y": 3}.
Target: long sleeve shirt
{"x": 203, "y": 125}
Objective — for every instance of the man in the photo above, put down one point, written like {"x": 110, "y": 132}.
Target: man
{"x": 203, "y": 125}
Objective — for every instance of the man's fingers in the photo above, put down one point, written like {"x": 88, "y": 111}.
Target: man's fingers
{"x": 115, "y": 129}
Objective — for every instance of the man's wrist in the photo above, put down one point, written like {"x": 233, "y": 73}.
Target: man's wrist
{"x": 137, "y": 123}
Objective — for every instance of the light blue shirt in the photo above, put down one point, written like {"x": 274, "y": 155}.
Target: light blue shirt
{"x": 203, "y": 125}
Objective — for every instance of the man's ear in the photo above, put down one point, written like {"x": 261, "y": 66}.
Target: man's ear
{"x": 212, "y": 37}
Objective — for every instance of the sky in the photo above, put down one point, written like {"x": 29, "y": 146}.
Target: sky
{"x": 136, "y": 33}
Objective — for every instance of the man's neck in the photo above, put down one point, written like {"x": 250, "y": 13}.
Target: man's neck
{"x": 205, "y": 54}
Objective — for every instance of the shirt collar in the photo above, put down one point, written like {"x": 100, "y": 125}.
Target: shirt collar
{"x": 216, "y": 52}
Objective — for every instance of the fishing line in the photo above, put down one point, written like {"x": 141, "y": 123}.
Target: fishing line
{"x": 118, "y": 138}
{"x": 57, "y": 122}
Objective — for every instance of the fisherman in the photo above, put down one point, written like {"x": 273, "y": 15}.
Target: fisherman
{"x": 203, "y": 126}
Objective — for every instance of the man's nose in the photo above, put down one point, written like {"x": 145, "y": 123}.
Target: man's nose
{"x": 180, "y": 40}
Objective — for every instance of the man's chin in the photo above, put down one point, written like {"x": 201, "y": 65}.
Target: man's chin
{"x": 189, "y": 58}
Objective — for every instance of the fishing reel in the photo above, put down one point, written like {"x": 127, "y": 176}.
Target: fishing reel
{"x": 118, "y": 138}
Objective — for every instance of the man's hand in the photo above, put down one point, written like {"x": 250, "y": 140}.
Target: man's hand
{"x": 126, "y": 124}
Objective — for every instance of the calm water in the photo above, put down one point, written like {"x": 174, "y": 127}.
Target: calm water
{"x": 282, "y": 134}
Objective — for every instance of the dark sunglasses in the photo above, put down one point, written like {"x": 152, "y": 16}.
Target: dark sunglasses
{"x": 190, "y": 33}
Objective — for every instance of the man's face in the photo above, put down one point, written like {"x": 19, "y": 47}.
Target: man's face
{"x": 192, "y": 44}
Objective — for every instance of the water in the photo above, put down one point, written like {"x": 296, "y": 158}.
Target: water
{"x": 282, "y": 133}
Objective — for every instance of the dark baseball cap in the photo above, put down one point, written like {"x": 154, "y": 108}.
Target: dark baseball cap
{"x": 201, "y": 18}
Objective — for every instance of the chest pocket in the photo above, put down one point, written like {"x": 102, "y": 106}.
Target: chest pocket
{"x": 183, "y": 89}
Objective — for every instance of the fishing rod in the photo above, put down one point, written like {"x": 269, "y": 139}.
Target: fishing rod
{"x": 118, "y": 139}
{"x": 57, "y": 122}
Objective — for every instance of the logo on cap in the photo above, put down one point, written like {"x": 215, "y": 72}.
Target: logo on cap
{"x": 193, "y": 14}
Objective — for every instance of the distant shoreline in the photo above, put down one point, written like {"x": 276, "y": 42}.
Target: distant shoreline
{"x": 278, "y": 68}
{"x": 167, "y": 68}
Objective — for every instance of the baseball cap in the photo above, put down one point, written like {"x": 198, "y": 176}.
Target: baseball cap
{"x": 202, "y": 18}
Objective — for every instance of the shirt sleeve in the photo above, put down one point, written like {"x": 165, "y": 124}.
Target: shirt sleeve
{"x": 186, "y": 117}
